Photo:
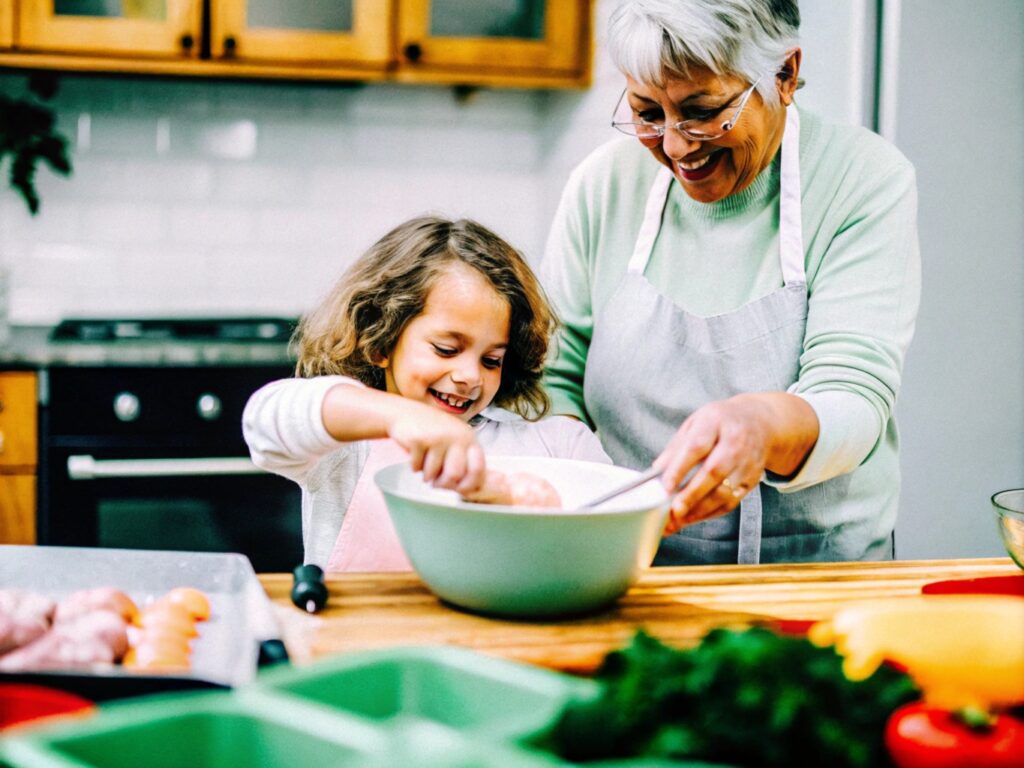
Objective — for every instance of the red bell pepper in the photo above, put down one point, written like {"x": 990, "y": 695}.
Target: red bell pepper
{"x": 919, "y": 735}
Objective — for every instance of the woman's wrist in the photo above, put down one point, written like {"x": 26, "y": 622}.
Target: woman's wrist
{"x": 791, "y": 429}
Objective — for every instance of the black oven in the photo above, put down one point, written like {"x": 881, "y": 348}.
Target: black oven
{"x": 152, "y": 457}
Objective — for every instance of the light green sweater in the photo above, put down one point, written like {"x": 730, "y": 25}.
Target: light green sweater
{"x": 863, "y": 275}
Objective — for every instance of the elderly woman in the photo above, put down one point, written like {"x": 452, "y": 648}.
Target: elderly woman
{"x": 738, "y": 283}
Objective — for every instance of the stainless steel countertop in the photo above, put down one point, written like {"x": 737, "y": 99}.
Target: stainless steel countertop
{"x": 29, "y": 346}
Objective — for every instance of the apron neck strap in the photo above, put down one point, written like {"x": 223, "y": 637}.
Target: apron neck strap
{"x": 656, "y": 200}
{"x": 791, "y": 247}
{"x": 791, "y": 234}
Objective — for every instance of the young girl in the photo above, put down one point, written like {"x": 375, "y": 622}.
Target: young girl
{"x": 429, "y": 348}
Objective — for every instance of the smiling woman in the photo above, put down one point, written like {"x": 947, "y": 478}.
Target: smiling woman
{"x": 429, "y": 350}
{"x": 761, "y": 278}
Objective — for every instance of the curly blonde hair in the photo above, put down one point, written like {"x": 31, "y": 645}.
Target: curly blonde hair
{"x": 359, "y": 322}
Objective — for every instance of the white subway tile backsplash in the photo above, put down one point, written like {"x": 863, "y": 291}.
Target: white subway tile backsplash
{"x": 204, "y": 197}
{"x": 214, "y": 225}
{"x": 251, "y": 183}
{"x": 126, "y": 222}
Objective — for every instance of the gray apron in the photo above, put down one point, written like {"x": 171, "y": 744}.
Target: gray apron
{"x": 651, "y": 364}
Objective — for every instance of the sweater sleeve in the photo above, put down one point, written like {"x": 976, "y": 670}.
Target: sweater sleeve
{"x": 566, "y": 278}
{"x": 863, "y": 301}
{"x": 283, "y": 426}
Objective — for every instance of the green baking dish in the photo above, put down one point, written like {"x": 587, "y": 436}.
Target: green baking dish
{"x": 423, "y": 706}
{"x": 204, "y": 730}
{"x": 455, "y": 687}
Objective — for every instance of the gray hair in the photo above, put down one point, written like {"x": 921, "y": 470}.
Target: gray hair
{"x": 652, "y": 39}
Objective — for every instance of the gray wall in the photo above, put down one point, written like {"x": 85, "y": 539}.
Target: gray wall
{"x": 959, "y": 117}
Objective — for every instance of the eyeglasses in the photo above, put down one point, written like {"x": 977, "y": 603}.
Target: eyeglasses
{"x": 715, "y": 124}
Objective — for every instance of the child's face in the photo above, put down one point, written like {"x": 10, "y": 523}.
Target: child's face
{"x": 450, "y": 355}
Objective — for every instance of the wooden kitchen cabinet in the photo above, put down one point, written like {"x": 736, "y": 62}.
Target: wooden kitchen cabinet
{"x": 316, "y": 35}
{"x": 509, "y": 43}
{"x": 18, "y": 457}
{"x": 167, "y": 28}
{"x": 6, "y": 25}
{"x": 525, "y": 42}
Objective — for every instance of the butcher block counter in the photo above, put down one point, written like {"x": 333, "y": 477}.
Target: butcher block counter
{"x": 677, "y": 605}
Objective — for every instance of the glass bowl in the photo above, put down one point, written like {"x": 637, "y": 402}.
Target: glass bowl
{"x": 1009, "y": 507}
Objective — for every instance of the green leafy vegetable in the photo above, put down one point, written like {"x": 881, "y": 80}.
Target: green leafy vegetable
{"x": 750, "y": 698}
{"x": 27, "y": 136}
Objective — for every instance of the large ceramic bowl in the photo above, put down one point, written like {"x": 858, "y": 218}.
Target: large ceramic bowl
{"x": 1009, "y": 508}
{"x": 517, "y": 561}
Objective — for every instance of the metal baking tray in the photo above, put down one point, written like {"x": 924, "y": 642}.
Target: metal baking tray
{"x": 240, "y": 634}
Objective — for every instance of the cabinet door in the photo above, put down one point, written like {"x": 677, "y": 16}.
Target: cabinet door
{"x": 321, "y": 33}
{"x": 497, "y": 37}
{"x": 136, "y": 27}
{"x": 17, "y": 509}
{"x": 18, "y": 421}
{"x": 6, "y": 24}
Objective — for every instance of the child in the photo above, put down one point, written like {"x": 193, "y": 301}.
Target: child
{"x": 434, "y": 339}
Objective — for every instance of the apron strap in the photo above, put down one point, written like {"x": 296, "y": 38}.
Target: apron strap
{"x": 657, "y": 198}
{"x": 749, "y": 552}
{"x": 791, "y": 233}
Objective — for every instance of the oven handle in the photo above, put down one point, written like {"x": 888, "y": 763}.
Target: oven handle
{"x": 89, "y": 468}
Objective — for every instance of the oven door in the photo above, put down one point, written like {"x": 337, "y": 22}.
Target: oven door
{"x": 164, "y": 499}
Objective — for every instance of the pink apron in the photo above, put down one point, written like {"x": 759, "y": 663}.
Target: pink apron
{"x": 367, "y": 540}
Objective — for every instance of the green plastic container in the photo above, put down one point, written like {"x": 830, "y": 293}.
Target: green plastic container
{"x": 195, "y": 730}
{"x": 466, "y": 691}
{"x": 429, "y": 707}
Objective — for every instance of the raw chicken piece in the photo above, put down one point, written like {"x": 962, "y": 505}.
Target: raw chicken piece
{"x": 86, "y": 601}
{"x": 519, "y": 489}
{"x": 24, "y": 616}
{"x": 99, "y": 637}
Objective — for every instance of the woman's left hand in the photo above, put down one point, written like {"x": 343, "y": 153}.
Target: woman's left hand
{"x": 735, "y": 441}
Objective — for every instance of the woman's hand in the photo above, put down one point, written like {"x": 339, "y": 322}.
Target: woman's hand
{"x": 735, "y": 440}
{"x": 440, "y": 445}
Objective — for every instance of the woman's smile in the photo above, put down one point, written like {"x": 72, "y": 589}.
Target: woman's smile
{"x": 701, "y": 166}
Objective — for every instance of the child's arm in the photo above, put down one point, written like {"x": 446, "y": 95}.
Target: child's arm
{"x": 283, "y": 429}
{"x": 440, "y": 445}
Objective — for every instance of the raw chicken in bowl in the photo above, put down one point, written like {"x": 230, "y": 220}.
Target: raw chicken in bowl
{"x": 529, "y": 561}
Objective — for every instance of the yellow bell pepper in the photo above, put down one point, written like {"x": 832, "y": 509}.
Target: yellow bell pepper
{"x": 961, "y": 650}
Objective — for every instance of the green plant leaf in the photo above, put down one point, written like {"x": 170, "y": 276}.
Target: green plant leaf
{"x": 28, "y": 137}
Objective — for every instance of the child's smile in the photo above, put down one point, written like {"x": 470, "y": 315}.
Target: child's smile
{"x": 450, "y": 355}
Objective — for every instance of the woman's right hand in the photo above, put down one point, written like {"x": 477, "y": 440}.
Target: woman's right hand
{"x": 442, "y": 446}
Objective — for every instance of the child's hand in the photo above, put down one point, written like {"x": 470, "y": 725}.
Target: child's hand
{"x": 443, "y": 447}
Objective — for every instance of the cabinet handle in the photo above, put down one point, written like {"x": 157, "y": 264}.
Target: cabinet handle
{"x": 230, "y": 46}
{"x": 413, "y": 52}
{"x": 187, "y": 41}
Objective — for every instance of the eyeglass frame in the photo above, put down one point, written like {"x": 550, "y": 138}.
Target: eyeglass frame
{"x": 660, "y": 130}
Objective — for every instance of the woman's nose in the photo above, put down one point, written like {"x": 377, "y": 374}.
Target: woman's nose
{"x": 675, "y": 145}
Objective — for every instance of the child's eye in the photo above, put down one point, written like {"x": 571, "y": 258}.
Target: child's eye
{"x": 492, "y": 362}
{"x": 444, "y": 351}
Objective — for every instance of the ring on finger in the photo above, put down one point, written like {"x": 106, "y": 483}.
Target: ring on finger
{"x": 737, "y": 491}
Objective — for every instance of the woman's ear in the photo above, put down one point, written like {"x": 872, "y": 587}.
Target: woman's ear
{"x": 788, "y": 76}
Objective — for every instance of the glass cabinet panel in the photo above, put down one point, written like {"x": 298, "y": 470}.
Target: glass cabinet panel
{"x": 155, "y": 10}
{"x": 162, "y": 28}
{"x": 314, "y": 15}
{"x": 522, "y": 19}
{"x": 495, "y": 40}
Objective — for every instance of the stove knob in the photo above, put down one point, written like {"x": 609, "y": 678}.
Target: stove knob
{"x": 126, "y": 406}
{"x": 209, "y": 406}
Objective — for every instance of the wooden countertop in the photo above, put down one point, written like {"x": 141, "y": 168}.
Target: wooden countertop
{"x": 677, "y": 605}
